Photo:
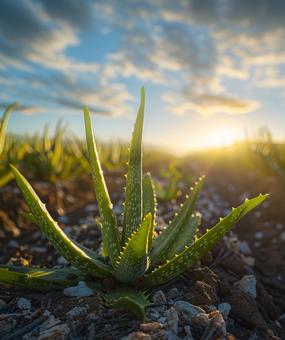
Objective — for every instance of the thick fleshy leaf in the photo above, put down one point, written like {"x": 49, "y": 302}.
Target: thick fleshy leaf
{"x": 168, "y": 236}
{"x": 149, "y": 203}
{"x": 133, "y": 203}
{"x": 133, "y": 260}
{"x": 37, "y": 278}
{"x": 108, "y": 219}
{"x": 185, "y": 236}
{"x": 74, "y": 253}
{"x": 128, "y": 299}
{"x": 179, "y": 263}
{"x": 3, "y": 125}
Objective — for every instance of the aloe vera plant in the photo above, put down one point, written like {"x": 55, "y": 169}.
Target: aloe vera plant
{"x": 135, "y": 258}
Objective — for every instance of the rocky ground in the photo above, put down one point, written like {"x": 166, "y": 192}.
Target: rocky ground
{"x": 236, "y": 292}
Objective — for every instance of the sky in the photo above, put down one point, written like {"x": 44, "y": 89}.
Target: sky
{"x": 212, "y": 70}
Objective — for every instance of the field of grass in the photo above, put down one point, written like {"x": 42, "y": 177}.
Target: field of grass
{"x": 149, "y": 262}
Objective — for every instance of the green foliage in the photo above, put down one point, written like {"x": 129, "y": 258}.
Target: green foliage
{"x": 134, "y": 256}
{"x": 127, "y": 298}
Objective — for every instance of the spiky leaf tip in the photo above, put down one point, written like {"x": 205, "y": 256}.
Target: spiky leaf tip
{"x": 190, "y": 255}
{"x": 132, "y": 216}
{"x": 133, "y": 260}
{"x": 3, "y": 124}
{"x": 108, "y": 219}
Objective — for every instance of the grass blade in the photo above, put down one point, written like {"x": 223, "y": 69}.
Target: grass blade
{"x": 3, "y": 125}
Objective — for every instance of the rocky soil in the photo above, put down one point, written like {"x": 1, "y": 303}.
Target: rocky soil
{"x": 236, "y": 292}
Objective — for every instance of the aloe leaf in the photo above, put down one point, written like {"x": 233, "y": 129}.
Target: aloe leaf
{"x": 108, "y": 218}
{"x": 149, "y": 203}
{"x": 168, "y": 236}
{"x": 190, "y": 255}
{"x": 37, "y": 278}
{"x": 128, "y": 299}
{"x": 133, "y": 202}
{"x": 133, "y": 260}
{"x": 185, "y": 236}
{"x": 66, "y": 247}
{"x": 3, "y": 125}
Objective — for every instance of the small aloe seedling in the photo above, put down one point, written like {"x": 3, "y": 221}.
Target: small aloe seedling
{"x": 133, "y": 257}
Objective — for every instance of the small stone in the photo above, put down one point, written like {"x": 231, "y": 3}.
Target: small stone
{"x": 279, "y": 226}
{"x": 81, "y": 290}
{"x": 224, "y": 309}
{"x": 247, "y": 285}
{"x": 249, "y": 260}
{"x": 172, "y": 320}
{"x": 188, "y": 332}
{"x": 244, "y": 248}
{"x": 159, "y": 298}
{"x": 61, "y": 260}
{"x": 76, "y": 311}
{"x": 173, "y": 293}
{"x": 259, "y": 235}
{"x": 282, "y": 236}
{"x": 24, "y": 303}
{"x": 137, "y": 336}
{"x": 150, "y": 327}
{"x": 219, "y": 325}
{"x": 201, "y": 320}
{"x": 187, "y": 310}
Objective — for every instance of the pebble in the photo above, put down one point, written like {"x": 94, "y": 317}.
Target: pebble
{"x": 172, "y": 320}
{"x": 159, "y": 298}
{"x": 282, "y": 236}
{"x": 187, "y": 310}
{"x": 247, "y": 285}
{"x": 91, "y": 208}
{"x": 244, "y": 248}
{"x": 249, "y": 260}
{"x": 150, "y": 327}
{"x": 201, "y": 320}
{"x": 219, "y": 324}
{"x": 62, "y": 260}
{"x": 80, "y": 290}
{"x": 24, "y": 303}
{"x": 224, "y": 309}
{"x": 173, "y": 293}
{"x": 279, "y": 226}
{"x": 259, "y": 235}
{"x": 76, "y": 311}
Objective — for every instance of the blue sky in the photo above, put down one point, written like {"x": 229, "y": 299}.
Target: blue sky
{"x": 211, "y": 69}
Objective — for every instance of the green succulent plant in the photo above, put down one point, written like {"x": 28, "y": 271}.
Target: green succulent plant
{"x": 135, "y": 258}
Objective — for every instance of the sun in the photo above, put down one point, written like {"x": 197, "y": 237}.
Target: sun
{"x": 222, "y": 136}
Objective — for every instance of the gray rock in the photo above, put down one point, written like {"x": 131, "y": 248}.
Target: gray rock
{"x": 219, "y": 325}
{"x": 159, "y": 298}
{"x": 201, "y": 320}
{"x": 24, "y": 303}
{"x": 76, "y": 311}
{"x": 259, "y": 235}
{"x": 173, "y": 293}
{"x": 247, "y": 285}
{"x": 81, "y": 290}
{"x": 224, "y": 309}
{"x": 172, "y": 320}
{"x": 187, "y": 310}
